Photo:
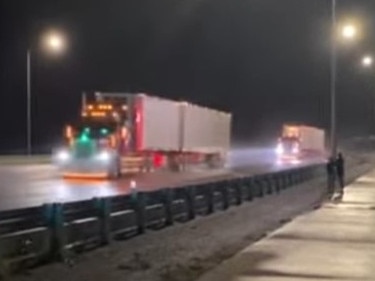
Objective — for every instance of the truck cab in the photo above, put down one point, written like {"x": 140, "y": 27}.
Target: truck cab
{"x": 90, "y": 151}
{"x": 299, "y": 142}
{"x": 288, "y": 147}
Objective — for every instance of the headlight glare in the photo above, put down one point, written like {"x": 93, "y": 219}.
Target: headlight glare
{"x": 104, "y": 156}
{"x": 63, "y": 155}
{"x": 295, "y": 150}
{"x": 279, "y": 149}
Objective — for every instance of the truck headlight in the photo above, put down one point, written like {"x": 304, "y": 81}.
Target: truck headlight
{"x": 295, "y": 150}
{"x": 279, "y": 149}
{"x": 63, "y": 155}
{"x": 104, "y": 156}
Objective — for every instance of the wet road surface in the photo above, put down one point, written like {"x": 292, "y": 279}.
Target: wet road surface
{"x": 30, "y": 185}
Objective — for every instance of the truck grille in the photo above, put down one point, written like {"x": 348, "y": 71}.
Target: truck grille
{"x": 83, "y": 150}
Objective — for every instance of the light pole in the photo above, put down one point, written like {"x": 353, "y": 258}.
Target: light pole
{"x": 348, "y": 32}
{"x": 28, "y": 115}
{"x": 52, "y": 42}
{"x": 333, "y": 80}
{"x": 367, "y": 62}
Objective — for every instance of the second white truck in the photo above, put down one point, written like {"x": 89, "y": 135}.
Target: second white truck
{"x": 300, "y": 141}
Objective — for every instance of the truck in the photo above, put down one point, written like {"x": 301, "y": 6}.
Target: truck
{"x": 300, "y": 141}
{"x": 125, "y": 133}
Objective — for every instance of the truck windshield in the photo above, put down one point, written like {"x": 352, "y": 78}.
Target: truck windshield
{"x": 96, "y": 130}
{"x": 289, "y": 143}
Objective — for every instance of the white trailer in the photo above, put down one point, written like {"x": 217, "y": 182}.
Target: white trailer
{"x": 160, "y": 124}
{"x": 136, "y": 132}
{"x": 205, "y": 131}
{"x": 300, "y": 141}
{"x": 312, "y": 139}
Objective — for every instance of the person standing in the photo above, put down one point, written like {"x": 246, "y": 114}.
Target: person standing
{"x": 340, "y": 171}
{"x": 331, "y": 177}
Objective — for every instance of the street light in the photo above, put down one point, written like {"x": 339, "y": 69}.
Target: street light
{"x": 53, "y": 42}
{"x": 367, "y": 61}
{"x": 348, "y": 32}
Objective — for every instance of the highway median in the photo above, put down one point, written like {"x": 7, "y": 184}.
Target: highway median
{"x": 24, "y": 159}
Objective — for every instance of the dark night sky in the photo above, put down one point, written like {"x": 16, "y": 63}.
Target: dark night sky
{"x": 267, "y": 61}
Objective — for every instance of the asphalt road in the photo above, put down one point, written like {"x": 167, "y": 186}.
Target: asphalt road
{"x": 30, "y": 185}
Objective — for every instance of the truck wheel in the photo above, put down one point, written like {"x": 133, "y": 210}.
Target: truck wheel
{"x": 210, "y": 161}
{"x": 215, "y": 161}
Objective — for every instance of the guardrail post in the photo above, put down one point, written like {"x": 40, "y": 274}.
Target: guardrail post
{"x": 289, "y": 180}
{"x": 284, "y": 180}
{"x": 249, "y": 184}
{"x": 311, "y": 172}
{"x": 140, "y": 210}
{"x": 276, "y": 182}
{"x": 259, "y": 187}
{"x": 5, "y": 268}
{"x": 298, "y": 177}
{"x": 104, "y": 212}
{"x": 225, "y": 194}
{"x": 168, "y": 202}
{"x": 55, "y": 220}
{"x": 270, "y": 184}
{"x": 190, "y": 200}
{"x": 210, "y": 198}
{"x": 303, "y": 175}
{"x": 237, "y": 184}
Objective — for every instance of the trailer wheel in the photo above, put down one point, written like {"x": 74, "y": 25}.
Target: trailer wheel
{"x": 174, "y": 163}
{"x": 215, "y": 161}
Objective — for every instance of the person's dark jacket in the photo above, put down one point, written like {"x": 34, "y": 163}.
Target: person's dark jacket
{"x": 340, "y": 169}
{"x": 330, "y": 167}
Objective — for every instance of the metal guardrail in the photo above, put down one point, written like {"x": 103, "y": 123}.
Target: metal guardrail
{"x": 59, "y": 230}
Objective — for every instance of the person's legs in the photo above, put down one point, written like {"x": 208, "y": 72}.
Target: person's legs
{"x": 341, "y": 184}
{"x": 331, "y": 184}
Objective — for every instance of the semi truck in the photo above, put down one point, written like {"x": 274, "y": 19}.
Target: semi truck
{"x": 300, "y": 141}
{"x": 121, "y": 133}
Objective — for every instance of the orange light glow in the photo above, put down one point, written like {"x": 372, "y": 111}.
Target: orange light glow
{"x": 112, "y": 141}
{"x": 86, "y": 175}
{"x": 105, "y": 106}
{"x": 124, "y": 133}
{"x": 291, "y": 131}
{"x": 69, "y": 132}
{"x": 98, "y": 114}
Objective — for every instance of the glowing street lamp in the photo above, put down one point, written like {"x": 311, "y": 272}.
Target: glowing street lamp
{"x": 54, "y": 42}
{"x": 349, "y": 32}
{"x": 367, "y": 61}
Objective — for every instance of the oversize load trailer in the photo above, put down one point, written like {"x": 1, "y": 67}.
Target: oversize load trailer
{"x": 144, "y": 132}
